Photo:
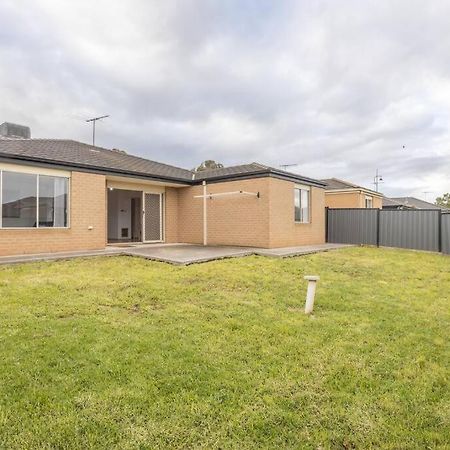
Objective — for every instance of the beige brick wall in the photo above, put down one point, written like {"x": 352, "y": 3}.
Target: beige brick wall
{"x": 231, "y": 220}
{"x": 344, "y": 200}
{"x": 248, "y": 221}
{"x": 284, "y": 231}
{"x": 377, "y": 202}
{"x": 171, "y": 215}
{"x": 87, "y": 207}
{"x": 350, "y": 200}
{"x": 241, "y": 220}
{"x": 190, "y": 218}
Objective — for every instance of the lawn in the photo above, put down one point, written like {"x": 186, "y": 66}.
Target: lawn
{"x": 125, "y": 353}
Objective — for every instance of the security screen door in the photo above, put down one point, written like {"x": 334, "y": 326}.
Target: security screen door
{"x": 152, "y": 217}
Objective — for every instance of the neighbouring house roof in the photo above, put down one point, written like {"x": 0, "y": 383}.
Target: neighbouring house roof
{"x": 69, "y": 153}
{"x": 417, "y": 203}
{"x": 335, "y": 184}
{"x": 391, "y": 203}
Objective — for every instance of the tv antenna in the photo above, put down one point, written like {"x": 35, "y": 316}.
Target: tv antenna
{"x": 285, "y": 166}
{"x": 93, "y": 120}
{"x": 426, "y": 194}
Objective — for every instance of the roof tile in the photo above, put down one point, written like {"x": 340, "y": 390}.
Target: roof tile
{"x": 77, "y": 154}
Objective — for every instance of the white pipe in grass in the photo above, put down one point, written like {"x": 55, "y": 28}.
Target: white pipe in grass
{"x": 312, "y": 281}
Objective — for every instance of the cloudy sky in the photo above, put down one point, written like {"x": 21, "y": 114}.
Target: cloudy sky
{"x": 339, "y": 87}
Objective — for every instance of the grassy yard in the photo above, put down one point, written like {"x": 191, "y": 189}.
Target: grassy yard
{"x": 126, "y": 353}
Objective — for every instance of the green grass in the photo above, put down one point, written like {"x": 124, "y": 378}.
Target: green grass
{"x": 126, "y": 353}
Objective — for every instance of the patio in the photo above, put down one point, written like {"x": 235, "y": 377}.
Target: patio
{"x": 179, "y": 254}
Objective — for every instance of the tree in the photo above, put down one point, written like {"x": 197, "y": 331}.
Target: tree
{"x": 444, "y": 200}
{"x": 208, "y": 164}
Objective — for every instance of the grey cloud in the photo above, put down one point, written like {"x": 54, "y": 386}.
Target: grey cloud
{"x": 338, "y": 87}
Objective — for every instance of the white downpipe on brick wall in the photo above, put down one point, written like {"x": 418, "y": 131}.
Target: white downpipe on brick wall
{"x": 205, "y": 216}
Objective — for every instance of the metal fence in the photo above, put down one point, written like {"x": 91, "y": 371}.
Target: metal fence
{"x": 445, "y": 233}
{"x": 351, "y": 226}
{"x": 418, "y": 229}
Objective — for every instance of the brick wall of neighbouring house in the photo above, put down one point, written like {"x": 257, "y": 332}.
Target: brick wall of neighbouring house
{"x": 284, "y": 231}
{"x": 344, "y": 200}
{"x": 87, "y": 208}
{"x": 377, "y": 202}
{"x": 350, "y": 200}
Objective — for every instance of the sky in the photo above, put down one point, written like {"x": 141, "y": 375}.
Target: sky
{"x": 340, "y": 88}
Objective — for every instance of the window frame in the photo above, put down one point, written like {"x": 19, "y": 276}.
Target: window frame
{"x": 300, "y": 188}
{"x": 47, "y": 173}
{"x": 366, "y": 199}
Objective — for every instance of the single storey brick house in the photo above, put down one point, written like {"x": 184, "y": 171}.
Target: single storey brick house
{"x": 62, "y": 195}
{"x": 343, "y": 194}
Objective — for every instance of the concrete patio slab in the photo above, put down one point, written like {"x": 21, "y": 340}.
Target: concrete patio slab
{"x": 179, "y": 254}
{"x": 188, "y": 254}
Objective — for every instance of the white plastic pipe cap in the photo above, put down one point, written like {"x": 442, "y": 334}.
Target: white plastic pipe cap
{"x": 312, "y": 277}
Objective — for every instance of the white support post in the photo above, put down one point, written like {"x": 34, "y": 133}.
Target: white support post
{"x": 309, "y": 304}
{"x": 205, "y": 216}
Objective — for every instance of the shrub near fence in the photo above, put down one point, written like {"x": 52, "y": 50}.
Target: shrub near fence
{"x": 418, "y": 229}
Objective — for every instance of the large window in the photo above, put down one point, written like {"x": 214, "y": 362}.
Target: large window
{"x": 33, "y": 201}
{"x": 19, "y": 200}
{"x": 52, "y": 201}
{"x": 302, "y": 203}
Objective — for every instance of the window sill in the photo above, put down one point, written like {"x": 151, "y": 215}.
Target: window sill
{"x": 302, "y": 223}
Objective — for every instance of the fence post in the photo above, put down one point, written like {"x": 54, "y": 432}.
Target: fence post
{"x": 378, "y": 227}
{"x": 326, "y": 223}
{"x": 440, "y": 230}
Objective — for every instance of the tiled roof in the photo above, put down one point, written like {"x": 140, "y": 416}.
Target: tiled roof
{"x": 414, "y": 202}
{"x": 337, "y": 184}
{"x": 253, "y": 169}
{"x": 391, "y": 202}
{"x": 74, "y": 153}
{"x": 77, "y": 154}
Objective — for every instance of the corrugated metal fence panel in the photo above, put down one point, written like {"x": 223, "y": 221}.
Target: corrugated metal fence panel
{"x": 418, "y": 229}
{"x": 352, "y": 226}
{"x": 446, "y": 233}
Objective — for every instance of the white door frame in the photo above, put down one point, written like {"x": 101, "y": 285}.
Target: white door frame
{"x": 161, "y": 217}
